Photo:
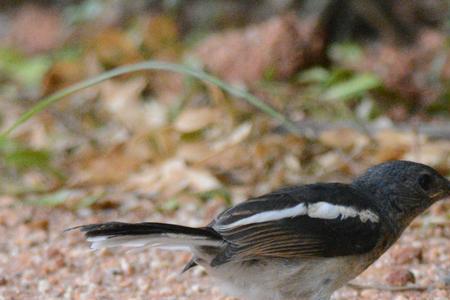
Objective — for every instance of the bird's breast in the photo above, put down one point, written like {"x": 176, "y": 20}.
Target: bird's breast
{"x": 286, "y": 279}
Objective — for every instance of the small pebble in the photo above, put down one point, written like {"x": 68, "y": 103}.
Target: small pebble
{"x": 3, "y": 281}
{"x": 400, "y": 277}
{"x": 406, "y": 255}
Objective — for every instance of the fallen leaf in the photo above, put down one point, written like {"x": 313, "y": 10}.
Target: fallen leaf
{"x": 343, "y": 138}
{"x": 194, "y": 152}
{"x": 114, "y": 48}
{"x": 393, "y": 144}
{"x": 238, "y": 135}
{"x": 433, "y": 153}
{"x": 171, "y": 177}
{"x": 193, "y": 119}
{"x": 123, "y": 101}
{"x": 95, "y": 167}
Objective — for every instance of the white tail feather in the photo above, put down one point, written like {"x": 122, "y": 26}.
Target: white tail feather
{"x": 171, "y": 241}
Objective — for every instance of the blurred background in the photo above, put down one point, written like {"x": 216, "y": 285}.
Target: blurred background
{"x": 364, "y": 81}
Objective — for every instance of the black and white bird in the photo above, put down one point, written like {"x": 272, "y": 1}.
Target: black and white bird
{"x": 300, "y": 242}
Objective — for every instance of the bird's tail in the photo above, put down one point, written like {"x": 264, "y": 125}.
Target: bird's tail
{"x": 115, "y": 234}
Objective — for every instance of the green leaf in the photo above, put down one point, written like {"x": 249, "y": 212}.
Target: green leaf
{"x": 60, "y": 197}
{"x": 314, "y": 75}
{"x": 352, "y": 87}
{"x": 89, "y": 200}
{"x": 350, "y": 53}
{"x": 441, "y": 106}
{"x": 169, "y": 206}
{"x": 27, "y": 70}
{"x": 28, "y": 158}
{"x": 337, "y": 75}
{"x": 85, "y": 11}
{"x": 220, "y": 193}
{"x": 6, "y": 145}
{"x": 18, "y": 156}
{"x": 51, "y": 200}
{"x": 31, "y": 71}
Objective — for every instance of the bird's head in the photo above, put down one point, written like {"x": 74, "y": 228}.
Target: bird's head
{"x": 403, "y": 189}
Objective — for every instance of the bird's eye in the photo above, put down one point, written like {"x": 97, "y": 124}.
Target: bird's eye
{"x": 425, "y": 181}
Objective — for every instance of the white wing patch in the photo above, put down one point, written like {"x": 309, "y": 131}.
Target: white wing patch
{"x": 366, "y": 214}
{"x": 324, "y": 210}
{"x": 318, "y": 210}
{"x": 271, "y": 215}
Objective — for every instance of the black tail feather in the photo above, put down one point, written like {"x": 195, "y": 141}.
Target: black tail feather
{"x": 119, "y": 228}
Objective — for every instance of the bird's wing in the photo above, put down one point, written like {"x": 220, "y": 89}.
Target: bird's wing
{"x": 321, "y": 220}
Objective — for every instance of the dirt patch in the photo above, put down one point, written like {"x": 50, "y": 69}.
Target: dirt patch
{"x": 39, "y": 261}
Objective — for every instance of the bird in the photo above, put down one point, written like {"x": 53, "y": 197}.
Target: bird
{"x": 297, "y": 243}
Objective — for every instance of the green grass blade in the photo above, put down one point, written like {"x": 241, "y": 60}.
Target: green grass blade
{"x": 355, "y": 86}
{"x": 154, "y": 65}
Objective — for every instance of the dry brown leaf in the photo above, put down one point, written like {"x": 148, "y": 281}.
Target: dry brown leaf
{"x": 193, "y": 119}
{"x": 330, "y": 161}
{"x": 226, "y": 153}
{"x": 194, "y": 152}
{"x": 433, "y": 153}
{"x": 161, "y": 34}
{"x": 95, "y": 167}
{"x": 106, "y": 169}
{"x": 201, "y": 180}
{"x": 166, "y": 178}
{"x": 122, "y": 100}
{"x": 171, "y": 177}
{"x": 292, "y": 163}
{"x": 230, "y": 159}
{"x": 343, "y": 138}
{"x": 393, "y": 144}
{"x": 62, "y": 74}
{"x": 114, "y": 48}
{"x": 164, "y": 141}
{"x": 161, "y": 41}
{"x": 238, "y": 135}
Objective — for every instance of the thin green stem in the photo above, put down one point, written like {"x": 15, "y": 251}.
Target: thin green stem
{"x": 153, "y": 65}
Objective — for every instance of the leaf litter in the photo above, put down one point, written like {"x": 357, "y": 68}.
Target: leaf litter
{"x": 161, "y": 147}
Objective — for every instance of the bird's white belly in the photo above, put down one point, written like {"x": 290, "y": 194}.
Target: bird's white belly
{"x": 307, "y": 279}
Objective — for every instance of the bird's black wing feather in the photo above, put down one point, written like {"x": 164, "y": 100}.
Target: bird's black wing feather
{"x": 299, "y": 236}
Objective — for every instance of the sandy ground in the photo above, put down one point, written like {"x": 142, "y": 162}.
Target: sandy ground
{"x": 38, "y": 261}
